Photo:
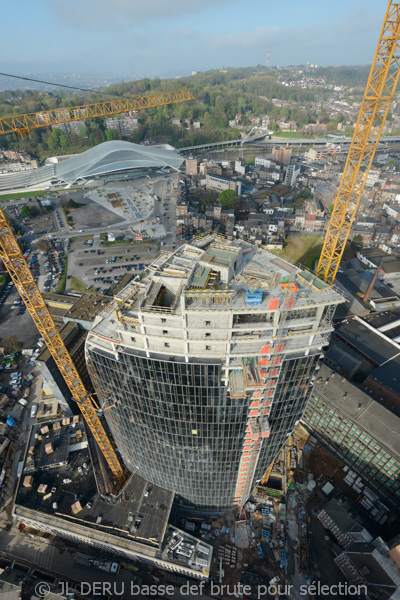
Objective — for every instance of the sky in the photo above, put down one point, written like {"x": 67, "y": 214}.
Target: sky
{"x": 168, "y": 38}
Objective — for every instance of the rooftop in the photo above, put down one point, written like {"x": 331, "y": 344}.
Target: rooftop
{"x": 87, "y": 307}
{"x": 367, "y": 341}
{"x": 211, "y": 273}
{"x": 58, "y": 484}
{"x": 69, "y": 488}
{"x": 353, "y": 402}
{"x": 389, "y": 373}
{"x": 71, "y": 335}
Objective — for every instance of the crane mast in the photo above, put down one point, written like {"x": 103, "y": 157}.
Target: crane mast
{"x": 379, "y": 92}
{"x": 20, "y": 274}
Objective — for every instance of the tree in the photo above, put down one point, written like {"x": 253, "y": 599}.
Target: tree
{"x": 357, "y": 243}
{"x": 26, "y": 211}
{"x": 330, "y": 207}
{"x": 10, "y": 344}
{"x": 225, "y": 198}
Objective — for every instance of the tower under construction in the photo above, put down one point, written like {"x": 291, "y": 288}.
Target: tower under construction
{"x": 203, "y": 366}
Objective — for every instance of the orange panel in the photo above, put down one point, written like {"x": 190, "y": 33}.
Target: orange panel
{"x": 263, "y": 362}
{"x": 280, "y": 348}
{"x": 265, "y": 349}
{"x": 253, "y": 413}
{"x": 255, "y": 404}
{"x": 273, "y": 304}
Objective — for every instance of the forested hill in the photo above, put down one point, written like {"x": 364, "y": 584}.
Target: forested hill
{"x": 220, "y": 95}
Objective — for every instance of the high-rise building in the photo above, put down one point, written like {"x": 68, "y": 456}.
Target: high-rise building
{"x": 292, "y": 172}
{"x": 205, "y": 365}
{"x": 191, "y": 165}
{"x": 282, "y": 155}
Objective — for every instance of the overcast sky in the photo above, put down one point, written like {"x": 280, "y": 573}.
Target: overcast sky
{"x": 174, "y": 37}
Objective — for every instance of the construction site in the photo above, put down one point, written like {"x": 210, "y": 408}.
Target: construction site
{"x": 200, "y": 370}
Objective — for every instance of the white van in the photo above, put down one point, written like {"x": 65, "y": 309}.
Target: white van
{"x": 23, "y": 402}
{"x": 33, "y": 410}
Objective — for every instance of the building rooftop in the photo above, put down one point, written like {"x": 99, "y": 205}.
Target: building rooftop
{"x": 349, "y": 399}
{"x": 70, "y": 490}
{"x": 87, "y": 307}
{"x": 389, "y": 373}
{"x": 59, "y": 478}
{"x": 367, "y": 341}
{"x": 339, "y": 514}
{"x": 211, "y": 273}
{"x": 387, "y": 322}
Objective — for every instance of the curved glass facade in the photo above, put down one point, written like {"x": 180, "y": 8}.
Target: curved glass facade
{"x": 174, "y": 424}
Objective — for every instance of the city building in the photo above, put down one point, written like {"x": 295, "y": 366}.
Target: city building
{"x": 263, "y": 161}
{"x": 219, "y": 183}
{"x": 73, "y": 317}
{"x": 282, "y": 155}
{"x": 371, "y": 569}
{"x": 191, "y": 165}
{"x": 125, "y": 124}
{"x": 207, "y": 363}
{"x": 240, "y": 166}
{"x": 65, "y": 489}
{"x": 292, "y": 172}
{"x": 74, "y": 340}
{"x": 359, "y": 430}
{"x": 336, "y": 517}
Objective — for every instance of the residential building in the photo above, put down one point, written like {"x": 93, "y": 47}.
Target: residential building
{"x": 240, "y": 166}
{"x": 262, "y": 161}
{"x": 282, "y": 155}
{"x": 292, "y": 172}
{"x": 191, "y": 165}
{"x": 335, "y": 517}
{"x": 126, "y": 124}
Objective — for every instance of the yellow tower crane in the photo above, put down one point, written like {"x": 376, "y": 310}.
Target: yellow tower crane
{"x": 22, "y": 124}
{"x": 18, "y": 269}
{"x": 381, "y": 86}
{"x": 20, "y": 274}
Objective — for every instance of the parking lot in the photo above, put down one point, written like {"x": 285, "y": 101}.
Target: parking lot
{"x": 16, "y": 321}
{"x": 98, "y": 266}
